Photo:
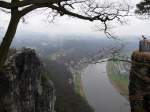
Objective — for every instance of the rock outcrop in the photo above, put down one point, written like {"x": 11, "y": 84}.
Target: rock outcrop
{"x": 139, "y": 87}
{"x": 23, "y": 85}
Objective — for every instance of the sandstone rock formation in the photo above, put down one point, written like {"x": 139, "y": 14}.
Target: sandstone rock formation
{"x": 139, "y": 87}
{"x": 24, "y": 86}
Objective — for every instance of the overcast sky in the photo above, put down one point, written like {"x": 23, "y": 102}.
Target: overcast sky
{"x": 65, "y": 25}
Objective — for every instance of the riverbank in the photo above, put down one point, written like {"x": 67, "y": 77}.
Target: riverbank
{"x": 119, "y": 80}
{"x": 78, "y": 84}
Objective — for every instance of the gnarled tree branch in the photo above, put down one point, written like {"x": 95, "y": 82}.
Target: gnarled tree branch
{"x": 90, "y": 10}
{"x": 5, "y": 5}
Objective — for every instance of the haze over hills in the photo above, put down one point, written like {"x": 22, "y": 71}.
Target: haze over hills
{"x": 84, "y": 43}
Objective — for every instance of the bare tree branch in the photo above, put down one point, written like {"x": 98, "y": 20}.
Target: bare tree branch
{"x": 4, "y": 4}
{"x": 91, "y": 10}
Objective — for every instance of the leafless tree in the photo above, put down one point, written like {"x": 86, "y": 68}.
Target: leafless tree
{"x": 91, "y": 10}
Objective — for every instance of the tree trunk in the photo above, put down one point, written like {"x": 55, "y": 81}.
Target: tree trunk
{"x": 6, "y": 42}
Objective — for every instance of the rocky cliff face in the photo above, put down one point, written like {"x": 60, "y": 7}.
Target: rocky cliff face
{"x": 139, "y": 87}
{"x": 23, "y": 85}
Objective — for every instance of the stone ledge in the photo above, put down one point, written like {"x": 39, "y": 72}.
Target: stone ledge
{"x": 141, "y": 56}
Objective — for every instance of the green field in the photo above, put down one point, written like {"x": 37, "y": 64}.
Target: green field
{"x": 119, "y": 80}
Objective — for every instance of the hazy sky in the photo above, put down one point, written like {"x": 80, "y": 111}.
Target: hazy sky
{"x": 65, "y": 25}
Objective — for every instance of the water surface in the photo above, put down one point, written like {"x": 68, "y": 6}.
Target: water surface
{"x": 100, "y": 93}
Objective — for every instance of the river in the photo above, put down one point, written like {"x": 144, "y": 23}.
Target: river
{"x": 100, "y": 93}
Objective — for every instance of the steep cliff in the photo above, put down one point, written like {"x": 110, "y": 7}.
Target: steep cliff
{"x": 139, "y": 87}
{"x": 23, "y": 85}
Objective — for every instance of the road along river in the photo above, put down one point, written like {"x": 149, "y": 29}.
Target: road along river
{"x": 100, "y": 93}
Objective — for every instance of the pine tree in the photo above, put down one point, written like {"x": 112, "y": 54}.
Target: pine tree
{"x": 143, "y": 8}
